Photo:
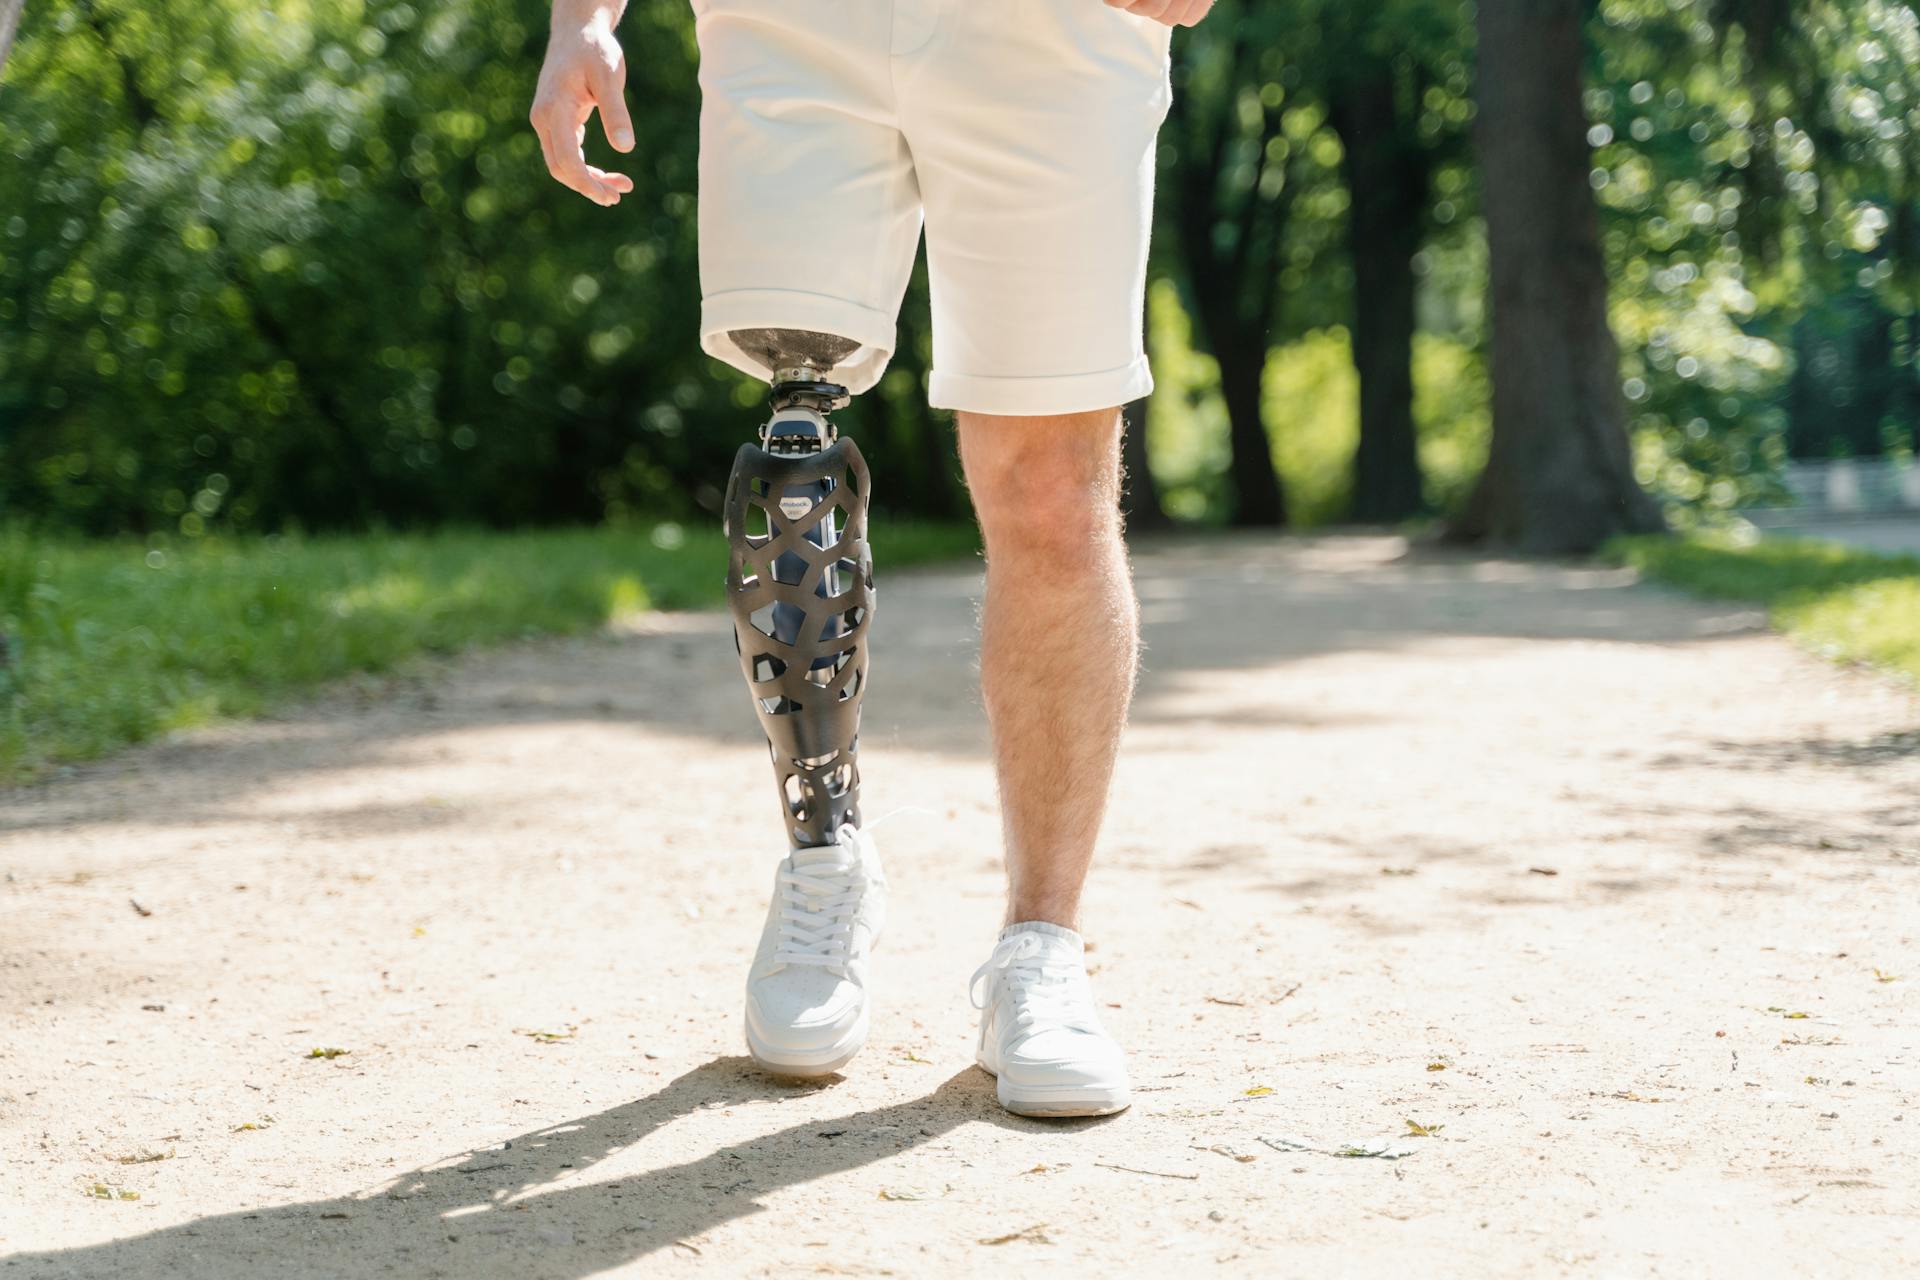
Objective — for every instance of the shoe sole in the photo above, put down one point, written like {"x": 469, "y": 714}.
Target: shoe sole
{"x": 820, "y": 1062}
{"x": 1060, "y": 1101}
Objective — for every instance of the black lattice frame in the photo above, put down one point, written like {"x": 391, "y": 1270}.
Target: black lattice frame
{"x": 808, "y": 708}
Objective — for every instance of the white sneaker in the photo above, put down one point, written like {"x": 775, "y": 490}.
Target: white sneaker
{"x": 807, "y": 990}
{"x": 1038, "y": 1030}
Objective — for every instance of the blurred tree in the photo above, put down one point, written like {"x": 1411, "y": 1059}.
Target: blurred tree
{"x": 301, "y": 266}
{"x": 262, "y": 268}
{"x": 1559, "y": 476}
{"x": 1230, "y": 195}
{"x": 9, "y": 23}
{"x": 1839, "y": 83}
{"x": 1385, "y": 70}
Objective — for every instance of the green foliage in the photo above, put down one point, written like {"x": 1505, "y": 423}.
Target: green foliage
{"x": 303, "y": 267}
{"x": 1313, "y": 401}
{"x": 1759, "y": 164}
{"x": 1850, "y": 604}
{"x": 107, "y": 643}
{"x": 300, "y": 267}
{"x": 1310, "y": 397}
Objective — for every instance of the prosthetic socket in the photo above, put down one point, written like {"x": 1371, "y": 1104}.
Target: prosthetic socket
{"x": 800, "y": 582}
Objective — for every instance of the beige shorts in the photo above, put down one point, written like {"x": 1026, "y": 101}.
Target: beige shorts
{"x": 1021, "y": 131}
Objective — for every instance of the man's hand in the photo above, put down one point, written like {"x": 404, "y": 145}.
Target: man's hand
{"x": 584, "y": 70}
{"x": 1175, "y": 13}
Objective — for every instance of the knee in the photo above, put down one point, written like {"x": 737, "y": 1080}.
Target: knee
{"x": 1044, "y": 488}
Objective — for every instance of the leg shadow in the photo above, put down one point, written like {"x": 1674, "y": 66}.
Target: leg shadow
{"x": 494, "y": 1214}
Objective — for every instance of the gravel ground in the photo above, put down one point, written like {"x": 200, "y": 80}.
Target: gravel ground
{"x": 1610, "y": 893}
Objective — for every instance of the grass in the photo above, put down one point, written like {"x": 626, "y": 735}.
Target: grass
{"x": 1854, "y": 605}
{"x": 111, "y": 643}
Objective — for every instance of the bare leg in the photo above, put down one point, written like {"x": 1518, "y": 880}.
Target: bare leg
{"x": 1059, "y": 640}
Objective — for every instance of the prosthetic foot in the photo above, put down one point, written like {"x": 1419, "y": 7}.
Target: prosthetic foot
{"x": 800, "y": 583}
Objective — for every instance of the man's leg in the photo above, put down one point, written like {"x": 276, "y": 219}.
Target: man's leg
{"x": 1059, "y": 640}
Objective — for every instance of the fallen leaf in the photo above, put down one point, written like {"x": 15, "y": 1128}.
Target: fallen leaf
{"x": 101, "y": 1191}
{"x": 1542, "y": 871}
{"x": 912, "y": 1193}
{"x": 1396, "y": 871}
{"x": 547, "y": 1037}
{"x": 1258, "y": 1091}
{"x": 1236, "y": 1004}
{"x": 1032, "y": 1235}
{"x": 1436, "y": 1066}
{"x": 1221, "y": 1149}
{"x": 1881, "y": 975}
{"x": 328, "y": 1053}
{"x": 1797, "y": 1015}
{"x": 1417, "y": 1130}
{"x": 144, "y": 1157}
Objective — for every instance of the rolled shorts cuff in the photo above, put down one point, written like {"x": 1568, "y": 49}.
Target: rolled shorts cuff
{"x": 1034, "y": 397}
{"x": 793, "y": 309}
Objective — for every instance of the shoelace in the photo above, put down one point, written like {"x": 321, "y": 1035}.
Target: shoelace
{"x": 1053, "y": 991}
{"x": 817, "y": 906}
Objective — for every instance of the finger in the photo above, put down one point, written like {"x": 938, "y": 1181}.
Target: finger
{"x": 619, "y": 182}
{"x": 1190, "y": 15}
{"x": 1148, "y": 8}
{"x": 575, "y": 158}
{"x": 605, "y": 183}
{"x": 611, "y": 94}
{"x": 568, "y": 164}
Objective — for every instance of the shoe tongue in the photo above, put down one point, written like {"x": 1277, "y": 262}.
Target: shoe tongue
{"x": 826, "y": 855}
{"x": 1054, "y": 936}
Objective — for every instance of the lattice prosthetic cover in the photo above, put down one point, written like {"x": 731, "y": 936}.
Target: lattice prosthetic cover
{"x": 800, "y": 581}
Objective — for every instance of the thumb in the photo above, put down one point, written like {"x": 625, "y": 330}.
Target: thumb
{"x": 613, "y": 114}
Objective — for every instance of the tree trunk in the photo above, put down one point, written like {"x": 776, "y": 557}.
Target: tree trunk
{"x": 1559, "y": 476}
{"x": 9, "y": 23}
{"x": 1387, "y": 177}
{"x": 1258, "y": 500}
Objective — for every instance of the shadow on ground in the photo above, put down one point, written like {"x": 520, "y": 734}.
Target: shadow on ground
{"x": 512, "y": 1210}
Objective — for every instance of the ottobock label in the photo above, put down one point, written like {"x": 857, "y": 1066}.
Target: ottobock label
{"x": 794, "y": 508}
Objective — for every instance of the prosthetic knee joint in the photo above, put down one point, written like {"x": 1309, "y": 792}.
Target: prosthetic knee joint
{"x": 800, "y": 582}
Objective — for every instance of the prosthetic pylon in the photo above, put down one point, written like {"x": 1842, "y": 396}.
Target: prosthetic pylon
{"x": 800, "y": 583}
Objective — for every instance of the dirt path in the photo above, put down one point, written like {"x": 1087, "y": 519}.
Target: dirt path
{"x": 1591, "y": 880}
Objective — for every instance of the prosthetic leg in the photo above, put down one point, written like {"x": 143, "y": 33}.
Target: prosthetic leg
{"x": 800, "y": 582}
